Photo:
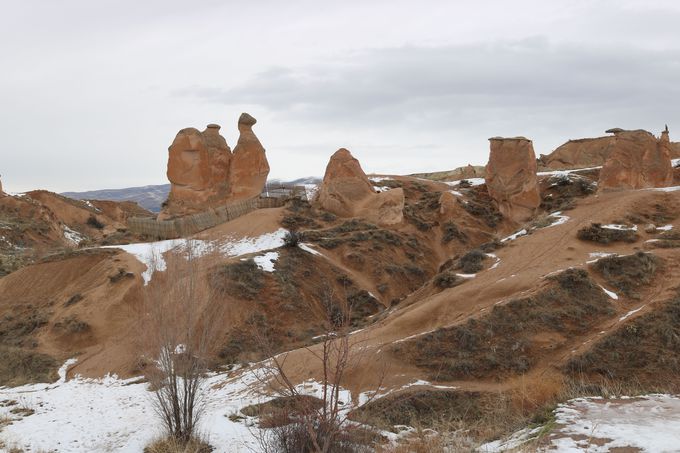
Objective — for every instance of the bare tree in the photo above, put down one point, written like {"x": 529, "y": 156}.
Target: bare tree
{"x": 307, "y": 424}
{"x": 179, "y": 332}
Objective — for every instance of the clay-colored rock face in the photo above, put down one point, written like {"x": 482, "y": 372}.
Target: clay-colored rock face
{"x": 581, "y": 153}
{"x": 347, "y": 192}
{"x": 205, "y": 174}
{"x": 198, "y": 164}
{"x": 384, "y": 208}
{"x": 637, "y": 160}
{"x": 344, "y": 186}
{"x": 511, "y": 177}
{"x": 249, "y": 166}
{"x": 587, "y": 152}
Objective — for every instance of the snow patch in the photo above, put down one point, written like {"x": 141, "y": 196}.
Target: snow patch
{"x": 665, "y": 228}
{"x": 632, "y": 312}
{"x": 311, "y": 190}
{"x": 151, "y": 253}
{"x": 615, "y": 226}
{"x": 512, "y": 237}
{"x": 650, "y": 423}
{"x": 560, "y": 219}
{"x": 307, "y": 248}
{"x": 266, "y": 261}
{"x": 565, "y": 172}
{"x": 73, "y": 237}
{"x": 666, "y": 189}
{"x": 111, "y": 414}
{"x": 611, "y": 294}
{"x": 473, "y": 182}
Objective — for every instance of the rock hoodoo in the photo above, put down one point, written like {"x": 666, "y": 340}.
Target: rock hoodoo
{"x": 205, "y": 174}
{"x": 637, "y": 160}
{"x": 511, "y": 177}
{"x": 249, "y": 166}
{"x": 347, "y": 192}
{"x": 2, "y": 194}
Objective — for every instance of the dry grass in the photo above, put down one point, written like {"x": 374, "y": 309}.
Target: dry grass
{"x": 20, "y": 366}
{"x": 628, "y": 273}
{"x": 171, "y": 445}
{"x": 597, "y": 233}
{"x": 644, "y": 351}
{"x": 501, "y": 342}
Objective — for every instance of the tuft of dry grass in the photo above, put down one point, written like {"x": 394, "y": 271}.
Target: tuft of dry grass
{"x": 628, "y": 273}
{"x": 597, "y": 233}
{"x": 170, "y": 445}
{"x": 501, "y": 343}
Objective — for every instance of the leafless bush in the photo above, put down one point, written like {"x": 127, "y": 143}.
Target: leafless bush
{"x": 316, "y": 425}
{"x": 179, "y": 331}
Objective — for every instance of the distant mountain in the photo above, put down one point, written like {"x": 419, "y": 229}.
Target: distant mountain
{"x": 148, "y": 197}
{"x": 151, "y": 197}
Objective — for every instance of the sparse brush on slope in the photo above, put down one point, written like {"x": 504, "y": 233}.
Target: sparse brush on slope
{"x": 628, "y": 273}
{"x": 597, "y": 233}
{"x": 645, "y": 350}
{"x": 500, "y": 342}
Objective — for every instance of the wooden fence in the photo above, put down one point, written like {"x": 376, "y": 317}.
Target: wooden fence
{"x": 191, "y": 224}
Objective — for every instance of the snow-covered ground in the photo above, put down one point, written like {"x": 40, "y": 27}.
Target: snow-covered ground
{"x": 72, "y": 236}
{"x": 151, "y": 253}
{"x": 649, "y": 423}
{"x": 114, "y": 415}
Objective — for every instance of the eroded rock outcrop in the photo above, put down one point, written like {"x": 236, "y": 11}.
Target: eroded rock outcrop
{"x": 204, "y": 173}
{"x": 198, "y": 165}
{"x": 346, "y": 192}
{"x": 637, "y": 160}
{"x": 249, "y": 166}
{"x": 511, "y": 177}
{"x": 587, "y": 152}
{"x": 2, "y": 194}
{"x": 581, "y": 153}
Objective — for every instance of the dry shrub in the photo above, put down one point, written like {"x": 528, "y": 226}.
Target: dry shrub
{"x": 472, "y": 262}
{"x": 447, "y": 279}
{"x": 451, "y": 231}
{"x": 243, "y": 279}
{"x": 20, "y": 366}
{"x": 628, "y": 273}
{"x": 170, "y": 445}
{"x": 180, "y": 332}
{"x": 501, "y": 342}
{"x": 300, "y": 424}
{"x": 597, "y": 233}
{"x": 643, "y": 351}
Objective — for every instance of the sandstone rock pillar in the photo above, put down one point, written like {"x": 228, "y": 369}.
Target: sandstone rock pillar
{"x": 511, "y": 177}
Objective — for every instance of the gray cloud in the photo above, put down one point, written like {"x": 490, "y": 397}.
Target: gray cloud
{"x": 480, "y": 82}
{"x": 92, "y": 93}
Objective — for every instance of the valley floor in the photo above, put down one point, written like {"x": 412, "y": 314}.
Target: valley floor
{"x": 114, "y": 415}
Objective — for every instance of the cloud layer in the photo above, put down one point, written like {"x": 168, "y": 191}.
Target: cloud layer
{"x": 91, "y": 94}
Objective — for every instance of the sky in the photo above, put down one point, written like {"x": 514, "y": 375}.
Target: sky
{"x": 92, "y": 93}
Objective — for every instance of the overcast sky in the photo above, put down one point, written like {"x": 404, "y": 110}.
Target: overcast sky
{"x": 92, "y": 93}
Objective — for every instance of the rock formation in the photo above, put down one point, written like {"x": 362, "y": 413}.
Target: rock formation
{"x": 511, "y": 177}
{"x": 204, "y": 173}
{"x": 581, "y": 153}
{"x": 249, "y": 166}
{"x": 346, "y": 192}
{"x": 587, "y": 152}
{"x": 637, "y": 160}
{"x": 2, "y": 194}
